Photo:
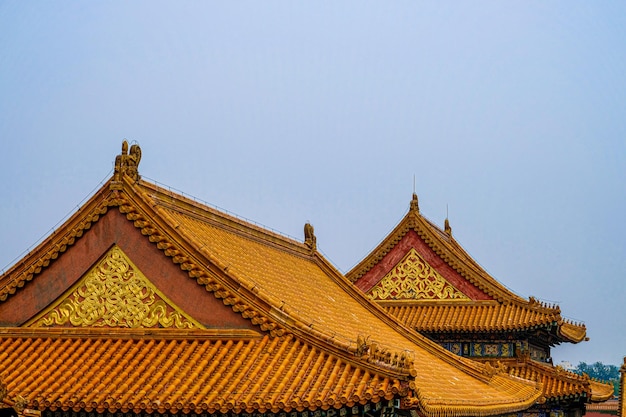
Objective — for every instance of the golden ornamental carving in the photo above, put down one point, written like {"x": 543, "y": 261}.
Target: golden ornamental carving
{"x": 414, "y": 279}
{"x": 115, "y": 294}
{"x": 126, "y": 163}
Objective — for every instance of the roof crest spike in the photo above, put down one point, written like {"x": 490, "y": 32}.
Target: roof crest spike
{"x": 446, "y": 223}
{"x": 414, "y": 203}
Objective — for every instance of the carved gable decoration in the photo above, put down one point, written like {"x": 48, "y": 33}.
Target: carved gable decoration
{"x": 414, "y": 279}
{"x": 114, "y": 293}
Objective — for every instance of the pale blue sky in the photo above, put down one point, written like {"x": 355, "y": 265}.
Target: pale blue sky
{"x": 512, "y": 114}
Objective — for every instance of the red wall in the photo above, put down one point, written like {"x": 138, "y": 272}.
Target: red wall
{"x": 412, "y": 240}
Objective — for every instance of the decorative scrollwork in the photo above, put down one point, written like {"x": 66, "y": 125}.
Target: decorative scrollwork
{"x": 495, "y": 368}
{"x": 413, "y": 278}
{"x": 115, "y": 294}
{"x": 20, "y": 404}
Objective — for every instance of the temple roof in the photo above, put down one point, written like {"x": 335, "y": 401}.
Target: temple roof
{"x": 453, "y": 292}
{"x": 483, "y": 316}
{"x": 180, "y": 373}
{"x": 558, "y": 383}
{"x": 147, "y": 300}
{"x": 424, "y": 278}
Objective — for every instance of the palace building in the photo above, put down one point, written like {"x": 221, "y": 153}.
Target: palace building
{"x": 423, "y": 277}
{"x": 145, "y": 302}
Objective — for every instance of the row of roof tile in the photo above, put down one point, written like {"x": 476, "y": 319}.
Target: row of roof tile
{"x": 122, "y": 374}
{"x": 469, "y": 317}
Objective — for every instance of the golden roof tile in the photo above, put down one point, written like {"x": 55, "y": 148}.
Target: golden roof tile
{"x": 315, "y": 331}
{"x": 484, "y": 316}
{"x": 505, "y": 311}
{"x": 559, "y": 383}
{"x": 135, "y": 374}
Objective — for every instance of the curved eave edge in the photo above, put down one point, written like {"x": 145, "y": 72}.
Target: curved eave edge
{"x": 404, "y": 311}
{"x": 601, "y": 391}
{"x": 573, "y": 333}
{"x": 436, "y": 408}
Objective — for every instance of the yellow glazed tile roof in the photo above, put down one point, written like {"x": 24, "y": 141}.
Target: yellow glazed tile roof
{"x": 508, "y": 311}
{"x": 307, "y": 315}
{"x": 559, "y": 384}
{"x": 183, "y": 374}
{"x": 318, "y": 300}
{"x": 444, "y": 245}
{"x": 609, "y": 407}
{"x": 484, "y": 316}
{"x": 601, "y": 391}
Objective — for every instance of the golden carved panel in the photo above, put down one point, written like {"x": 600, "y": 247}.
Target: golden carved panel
{"x": 114, "y": 293}
{"x": 414, "y": 279}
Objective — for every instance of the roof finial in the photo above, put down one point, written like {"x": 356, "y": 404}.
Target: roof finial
{"x": 127, "y": 163}
{"x": 446, "y": 224}
{"x": 309, "y": 236}
{"x": 414, "y": 204}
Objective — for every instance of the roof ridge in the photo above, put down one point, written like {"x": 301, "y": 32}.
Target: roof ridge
{"x": 206, "y": 207}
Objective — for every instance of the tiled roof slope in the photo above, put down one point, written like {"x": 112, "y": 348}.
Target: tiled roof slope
{"x": 508, "y": 311}
{"x": 313, "y": 298}
{"x": 184, "y": 373}
{"x": 482, "y": 316}
{"x": 559, "y": 384}
{"x": 505, "y": 312}
{"x": 306, "y": 313}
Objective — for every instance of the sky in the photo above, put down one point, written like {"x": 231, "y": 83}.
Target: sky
{"x": 508, "y": 117}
